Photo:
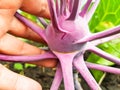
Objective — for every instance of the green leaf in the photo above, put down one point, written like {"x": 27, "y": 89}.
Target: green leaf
{"x": 29, "y": 65}
{"x": 18, "y": 66}
{"x": 29, "y": 16}
{"x": 107, "y": 11}
{"x": 106, "y": 16}
{"x": 98, "y": 75}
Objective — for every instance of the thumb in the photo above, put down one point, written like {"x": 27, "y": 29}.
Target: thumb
{"x": 13, "y": 81}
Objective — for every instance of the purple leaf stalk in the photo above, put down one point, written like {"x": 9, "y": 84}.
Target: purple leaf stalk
{"x": 68, "y": 38}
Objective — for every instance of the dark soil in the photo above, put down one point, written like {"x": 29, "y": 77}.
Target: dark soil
{"x": 111, "y": 81}
{"x": 45, "y": 76}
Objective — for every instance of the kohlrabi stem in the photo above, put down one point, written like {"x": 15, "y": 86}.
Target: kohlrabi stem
{"x": 106, "y": 39}
{"x": 106, "y": 33}
{"x": 75, "y": 10}
{"x": 67, "y": 68}
{"x": 103, "y": 68}
{"x": 82, "y": 68}
{"x": 46, "y": 55}
{"x": 58, "y": 7}
{"x": 54, "y": 17}
{"x": 84, "y": 10}
{"x": 70, "y": 5}
{"x": 32, "y": 25}
{"x": 43, "y": 22}
{"x": 103, "y": 54}
{"x": 76, "y": 81}
{"x": 92, "y": 10}
{"x": 57, "y": 78}
{"x": 102, "y": 34}
{"x": 53, "y": 14}
{"x": 63, "y": 6}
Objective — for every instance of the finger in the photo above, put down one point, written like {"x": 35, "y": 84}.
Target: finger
{"x": 7, "y": 10}
{"x": 13, "y": 81}
{"x": 11, "y": 45}
{"x": 17, "y": 28}
{"x": 36, "y": 7}
{"x": 5, "y": 19}
{"x": 50, "y": 63}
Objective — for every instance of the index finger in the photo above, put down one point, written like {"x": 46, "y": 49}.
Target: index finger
{"x": 36, "y": 7}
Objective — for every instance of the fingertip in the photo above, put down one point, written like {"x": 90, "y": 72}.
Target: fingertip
{"x": 12, "y": 81}
{"x": 25, "y": 83}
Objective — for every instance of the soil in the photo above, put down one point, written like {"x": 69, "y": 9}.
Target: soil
{"x": 111, "y": 81}
{"x": 45, "y": 76}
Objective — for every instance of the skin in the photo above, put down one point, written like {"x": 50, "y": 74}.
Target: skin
{"x": 10, "y": 27}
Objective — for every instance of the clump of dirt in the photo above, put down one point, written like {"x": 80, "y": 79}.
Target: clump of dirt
{"x": 112, "y": 81}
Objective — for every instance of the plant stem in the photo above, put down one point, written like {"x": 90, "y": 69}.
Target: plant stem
{"x": 43, "y": 22}
{"x": 105, "y": 39}
{"x": 66, "y": 64}
{"x": 99, "y": 35}
{"x": 84, "y": 11}
{"x": 76, "y": 81}
{"x": 103, "y": 68}
{"x": 46, "y": 55}
{"x": 57, "y": 79}
{"x": 92, "y": 10}
{"x": 104, "y": 54}
{"x": 32, "y": 25}
{"x": 75, "y": 10}
{"x": 82, "y": 68}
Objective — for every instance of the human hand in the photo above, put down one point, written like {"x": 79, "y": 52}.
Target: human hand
{"x": 11, "y": 27}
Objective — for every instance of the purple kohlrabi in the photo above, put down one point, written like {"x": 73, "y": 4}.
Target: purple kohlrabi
{"x": 68, "y": 38}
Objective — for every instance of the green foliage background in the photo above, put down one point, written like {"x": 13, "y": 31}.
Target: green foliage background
{"x": 106, "y": 16}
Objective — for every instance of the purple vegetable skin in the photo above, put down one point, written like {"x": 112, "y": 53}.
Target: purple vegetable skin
{"x": 68, "y": 38}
